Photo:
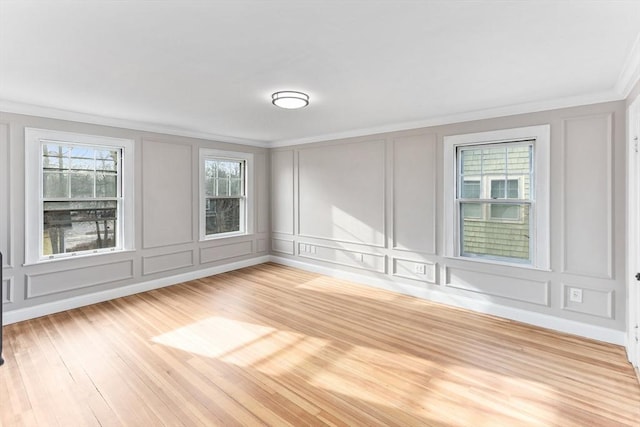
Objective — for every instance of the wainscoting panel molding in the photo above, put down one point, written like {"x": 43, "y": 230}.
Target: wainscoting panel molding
{"x": 5, "y": 198}
{"x": 414, "y": 190}
{"x": 7, "y": 290}
{"x": 422, "y": 271}
{"x": 222, "y": 252}
{"x": 282, "y": 246}
{"x": 588, "y": 196}
{"x": 531, "y": 291}
{"x": 166, "y": 262}
{"x": 594, "y": 301}
{"x": 361, "y": 260}
{"x": 82, "y": 277}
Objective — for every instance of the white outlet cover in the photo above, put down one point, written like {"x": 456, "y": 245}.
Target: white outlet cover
{"x": 575, "y": 295}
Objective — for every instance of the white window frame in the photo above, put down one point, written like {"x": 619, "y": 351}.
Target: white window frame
{"x": 34, "y": 138}
{"x": 246, "y": 211}
{"x": 540, "y": 210}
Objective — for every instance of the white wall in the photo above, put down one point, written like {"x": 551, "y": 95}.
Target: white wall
{"x": 167, "y": 249}
{"x": 373, "y": 207}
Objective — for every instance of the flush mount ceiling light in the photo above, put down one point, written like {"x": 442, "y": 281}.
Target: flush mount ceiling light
{"x": 290, "y": 99}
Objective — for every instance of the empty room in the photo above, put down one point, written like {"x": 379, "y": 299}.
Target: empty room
{"x": 320, "y": 213}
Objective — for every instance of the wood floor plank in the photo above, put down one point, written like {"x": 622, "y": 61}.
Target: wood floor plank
{"x": 276, "y": 346}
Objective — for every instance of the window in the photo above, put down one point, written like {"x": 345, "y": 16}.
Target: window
{"x": 76, "y": 198}
{"x": 497, "y": 196}
{"x": 224, "y": 194}
{"x": 508, "y": 189}
{"x": 471, "y": 190}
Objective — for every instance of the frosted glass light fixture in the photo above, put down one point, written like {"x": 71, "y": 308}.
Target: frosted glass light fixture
{"x": 290, "y": 99}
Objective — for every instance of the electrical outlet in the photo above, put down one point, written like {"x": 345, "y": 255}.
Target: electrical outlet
{"x": 419, "y": 268}
{"x": 303, "y": 248}
{"x": 313, "y": 249}
{"x": 575, "y": 295}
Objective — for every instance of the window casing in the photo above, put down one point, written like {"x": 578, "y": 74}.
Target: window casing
{"x": 79, "y": 197}
{"x": 497, "y": 196}
{"x": 225, "y": 202}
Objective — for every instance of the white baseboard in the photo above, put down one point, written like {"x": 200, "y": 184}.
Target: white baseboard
{"x": 27, "y": 313}
{"x": 538, "y": 319}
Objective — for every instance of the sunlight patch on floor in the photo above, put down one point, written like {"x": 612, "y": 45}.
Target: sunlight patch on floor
{"x": 451, "y": 399}
{"x": 245, "y": 344}
{"x": 448, "y": 393}
{"x": 214, "y": 336}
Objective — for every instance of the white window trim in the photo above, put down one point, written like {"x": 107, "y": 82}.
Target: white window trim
{"x": 33, "y": 190}
{"x": 246, "y": 224}
{"x": 541, "y": 257}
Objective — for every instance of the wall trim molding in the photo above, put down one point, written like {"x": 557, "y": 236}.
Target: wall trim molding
{"x": 484, "y": 114}
{"x": 95, "y": 119}
{"x": 626, "y": 82}
{"x": 543, "y": 320}
{"x": 27, "y": 313}
{"x": 599, "y": 333}
{"x": 630, "y": 73}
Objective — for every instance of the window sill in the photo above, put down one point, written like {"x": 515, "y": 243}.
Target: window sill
{"x": 72, "y": 257}
{"x": 223, "y": 236}
{"x": 499, "y": 263}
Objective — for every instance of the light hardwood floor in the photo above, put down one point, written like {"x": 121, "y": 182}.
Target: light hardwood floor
{"x": 272, "y": 345}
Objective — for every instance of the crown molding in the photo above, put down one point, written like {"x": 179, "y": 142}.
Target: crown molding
{"x": 630, "y": 73}
{"x": 54, "y": 113}
{"x": 491, "y": 113}
{"x": 628, "y": 78}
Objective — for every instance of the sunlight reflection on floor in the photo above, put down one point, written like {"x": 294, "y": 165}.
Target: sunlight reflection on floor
{"x": 412, "y": 384}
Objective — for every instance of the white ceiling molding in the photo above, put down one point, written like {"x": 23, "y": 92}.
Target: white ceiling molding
{"x": 511, "y": 110}
{"x": 74, "y": 116}
{"x": 630, "y": 73}
{"x": 532, "y": 107}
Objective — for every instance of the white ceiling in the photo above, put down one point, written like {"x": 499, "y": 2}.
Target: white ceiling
{"x": 209, "y": 67}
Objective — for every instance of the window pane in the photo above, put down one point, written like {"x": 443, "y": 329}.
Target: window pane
{"x": 470, "y": 189}
{"x": 512, "y": 189}
{"x": 82, "y": 184}
{"x": 210, "y": 168}
{"x": 236, "y": 187}
{"x": 107, "y": 155}
{"x": 56, "y": 150}
{"x": 471, "y": 162}
{"x": 55, "y": 184}
{"x": 234, "y": 170}
{"x": 55, "y": 162}
{"x": 106, "y": 185}
{"x": 498, "y": 189}
{"x": 519, "y": 160}
{"x": 209, "y": 186}
{"x": 79, "y": 152}
{"x": 82, "y": 164}
{"x": 78, "y": 226}
{"x": 471, "y": 210}
{"x": 223, "y": 186}
{"x": 82, "y": 158}
{"x": 223, "y": 169}
{"x": 222, "y": 215}
{"x": 106, "y": 165}
{"x": 494, "y": 160}
{"x": 507, "y": 212}
{"x": 503, "y": 239}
